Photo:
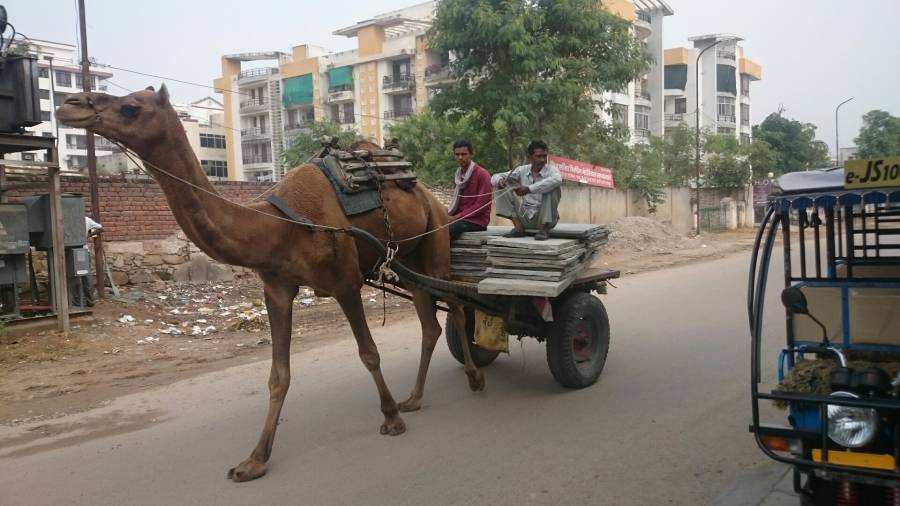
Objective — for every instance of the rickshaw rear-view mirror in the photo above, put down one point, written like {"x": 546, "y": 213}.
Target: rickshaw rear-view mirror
{"x": 794, "y": 300}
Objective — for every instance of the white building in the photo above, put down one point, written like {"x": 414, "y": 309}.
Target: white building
{"x": 272, "y": 96}
{"x": 60, "y": 75}
{"x": 725, "y": 77}
{"x": 203, "y": 124}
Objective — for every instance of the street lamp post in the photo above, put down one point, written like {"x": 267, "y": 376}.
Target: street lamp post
{"x": 837, "y": 142}
{"x": 697, "y": 133}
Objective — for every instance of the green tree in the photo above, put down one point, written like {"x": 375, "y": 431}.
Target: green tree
{"x": 638, "y": 168}
{"x": 879, "y": 135}
{"x": 308, "y": 143}
{"x": 763, "y": 159}
{"x": 426, "y": 139}
{"x": 678, "y": 155}
{"x": 794, "y": 143}
{"x": 726, "y": 162}
{"x": 525, "y": 65}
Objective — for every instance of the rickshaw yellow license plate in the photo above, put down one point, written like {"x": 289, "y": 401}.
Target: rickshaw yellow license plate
{"x": 856, "y": 459}
{"x": 872, "y": 173}
{"x": 490, "y": 332}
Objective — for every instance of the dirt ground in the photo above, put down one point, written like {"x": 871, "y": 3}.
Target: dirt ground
{"x": 154, "y": 335}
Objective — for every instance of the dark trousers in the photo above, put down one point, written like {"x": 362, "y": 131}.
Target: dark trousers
{"x": 462, "y": 226}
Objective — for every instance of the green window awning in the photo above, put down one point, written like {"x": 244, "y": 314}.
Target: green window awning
{"x": 675, "y": 77}
{"x": 297, "y": 91}
{"x": 726, "y": 80}
{"x": 340, "y": 78}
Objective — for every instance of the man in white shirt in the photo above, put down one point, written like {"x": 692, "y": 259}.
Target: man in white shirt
{"x": 538, "y": 185}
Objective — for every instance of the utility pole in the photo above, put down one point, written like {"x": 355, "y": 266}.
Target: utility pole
{"x": 91, "y": 155}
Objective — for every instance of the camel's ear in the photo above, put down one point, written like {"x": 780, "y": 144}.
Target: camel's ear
{"x": 150, "y": 88}
{"x": 163, "y": 95}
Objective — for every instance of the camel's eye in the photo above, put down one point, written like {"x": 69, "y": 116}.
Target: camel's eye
{"x": 130, "y": 111}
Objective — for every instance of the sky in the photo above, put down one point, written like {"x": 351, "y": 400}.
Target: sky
{"x": 814, "y": 54}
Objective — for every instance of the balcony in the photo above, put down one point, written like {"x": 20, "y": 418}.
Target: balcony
{"x": 726, "y": 54}
{"x": 674, "y": 119}
{"x": 253, "y": 104}
{"x": 436, "y": 75}
{"x": 294, "y": 129}
{"x": 340, "y": 94}
{"x": 641, "y": 133}
{"x": 257, "y": 159}
{"x": 726, "y": 118}
{"x": 257, "y": 73}
{"x": 396, "y": 114}
{"x": 641, "y": 95}
{"x": 401, "y": 83}
{"x": 253, "y": 133}
{"x": 642, "y": 24}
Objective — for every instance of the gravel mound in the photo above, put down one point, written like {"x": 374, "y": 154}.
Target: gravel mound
{"x": 636, "y": 233}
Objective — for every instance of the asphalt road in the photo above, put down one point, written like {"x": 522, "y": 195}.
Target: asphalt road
{"x": 666, "y": 423}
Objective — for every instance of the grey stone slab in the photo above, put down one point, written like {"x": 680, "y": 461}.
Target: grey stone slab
{"x": 500, "y": 286}
{"x": 533, "y": 275}
{"x": 522, "y": 252}
{"x": 528, "y": 243}
{"x": 576, "y": 230}
{"x": 468, "y": 251}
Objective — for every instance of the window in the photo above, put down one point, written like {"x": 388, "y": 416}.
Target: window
{"x": 726, "y": 109}
{"x": 745, "y": 114}
{"x": 77, "y": 162}
{"x": 28, "y": 157}
{"x": 43, "y": 72}
{"x": 725, "y": 79}
{"x": 46, "y": 134}
{"x": 45, "y": 94}
{"x": 745, "y": 85}
{"x": 212, "y": 141}
{"x": 725, "y": 131}
{"x": 680, "y": 105}
{"x": 215, "y": 168}
{"x": 76, "y": 141}
{"x": 59, "y": 98}
{"x": 745, "y": 138}
{"x": 675, "y": 77}
{"x": 620, "y": 114}
{"x": 349, "y": 116}
{"x": 45, "y": 115}
{"x": 641, "y": 117}
{"x": 63, "y": 78}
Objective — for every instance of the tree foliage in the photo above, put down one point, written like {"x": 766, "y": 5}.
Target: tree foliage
{"x": 726, "y": 162}
{"x": 793, "y": 142}
{"x": 427, "y": 141}
{"x": 308, "y": 143}
{"x": 526, "y": 65}
{"x": 879, "y": 135}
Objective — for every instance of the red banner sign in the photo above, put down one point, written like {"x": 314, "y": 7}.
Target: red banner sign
{"x": 581, "y": 172}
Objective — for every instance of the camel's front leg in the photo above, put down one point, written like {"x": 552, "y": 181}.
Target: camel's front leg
{"x": 352, "y": 306}
{"x": 279, "y": 303}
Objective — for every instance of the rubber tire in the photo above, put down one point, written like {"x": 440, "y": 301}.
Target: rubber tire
{"x": 480, "y": 356}
{"x": 560, "y": 348}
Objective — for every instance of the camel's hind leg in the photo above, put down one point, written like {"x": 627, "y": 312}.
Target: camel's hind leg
{"x": 279, "y": 303}
{"x": 352, "y": 306}
{"x": 431, "y": 331}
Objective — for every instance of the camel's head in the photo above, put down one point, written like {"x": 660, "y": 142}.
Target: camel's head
{"x": 138, "y": 120}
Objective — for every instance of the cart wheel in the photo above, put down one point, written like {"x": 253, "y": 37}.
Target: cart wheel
{"x": 480, "y": 356}
{"x": 579, "y": 341}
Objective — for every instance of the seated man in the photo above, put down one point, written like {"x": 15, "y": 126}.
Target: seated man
{"x": 470, "y": 209}
{"x": 539, "y": 186}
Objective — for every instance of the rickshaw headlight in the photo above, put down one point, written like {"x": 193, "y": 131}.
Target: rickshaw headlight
{"x": 849, "y": 426}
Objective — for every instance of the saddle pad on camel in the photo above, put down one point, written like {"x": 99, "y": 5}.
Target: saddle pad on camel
{"x": 359, "y": 202}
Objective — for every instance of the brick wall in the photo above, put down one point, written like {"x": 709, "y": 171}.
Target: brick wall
{"x": 132, "y": 209}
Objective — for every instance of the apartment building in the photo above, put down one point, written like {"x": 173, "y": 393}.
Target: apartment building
{"x": 269, "y": 97}
{"x": 203, "y": 122}
{"x": 60, "y": 75}
{"x": 724, "y": 85}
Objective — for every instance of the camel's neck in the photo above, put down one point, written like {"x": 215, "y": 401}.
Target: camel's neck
{"x": 214, "y": 225}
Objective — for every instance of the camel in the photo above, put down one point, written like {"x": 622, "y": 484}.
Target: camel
{"x": 285, "y": 255}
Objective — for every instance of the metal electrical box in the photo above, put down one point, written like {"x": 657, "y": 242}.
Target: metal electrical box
{"x": 78, "y": 262}
{"x": 13, "y": 229}
{"x": 20, "y": 104}
{"x": 74, "y": 232}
